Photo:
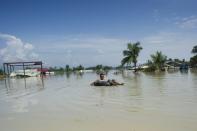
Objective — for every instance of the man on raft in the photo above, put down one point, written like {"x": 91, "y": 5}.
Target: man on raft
{"x": 104, "y": 82}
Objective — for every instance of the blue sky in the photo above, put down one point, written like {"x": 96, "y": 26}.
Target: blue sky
{"x": 91, "y": 32}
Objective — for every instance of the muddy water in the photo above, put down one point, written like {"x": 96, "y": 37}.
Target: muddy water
{"x": 147, "y": 102}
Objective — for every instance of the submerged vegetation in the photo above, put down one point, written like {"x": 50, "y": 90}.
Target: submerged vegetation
{"x": 68, "y": 69}
{"x": 194, "y": 50}
{"x": 193, "y": 60}
{"x": 99, "y": 68}
{"x": 80, "y": 68}
{"x": 1, "y": 74}
{"x": 158, "y": 60}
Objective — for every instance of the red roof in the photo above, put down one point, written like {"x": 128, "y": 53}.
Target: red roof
{"x": 43, "y": 70}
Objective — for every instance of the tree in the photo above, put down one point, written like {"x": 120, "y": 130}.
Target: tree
{"x": 106, "y": 68}
{"x": 1, "y": 72}
{"x": 99, "y": 67}
{"x": 194, "y": 50}
{"x": 177, "y": 60}
{"x": 131, "y": 54}
{"x": 67, "y": 68}
{"x": 151, "y": 66}
{"x": 158, "y": 60}
{"x": 193, "y": 60}
{"x": 78, "y": 68}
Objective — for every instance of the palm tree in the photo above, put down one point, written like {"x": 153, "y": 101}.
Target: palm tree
{"x": 131, "y": 54}
{"x": 158, "y": 59}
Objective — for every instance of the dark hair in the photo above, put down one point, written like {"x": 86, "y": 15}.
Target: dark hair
{"x": 102, "y": 74}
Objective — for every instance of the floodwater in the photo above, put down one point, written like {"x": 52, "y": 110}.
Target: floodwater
{"x": 147, "y": 102}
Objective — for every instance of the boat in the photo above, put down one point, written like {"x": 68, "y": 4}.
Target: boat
{"x": 25, "y": 73}
{"x": 49, "y": 73}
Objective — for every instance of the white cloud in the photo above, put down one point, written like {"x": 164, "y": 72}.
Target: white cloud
{"x": 160, "y": 38}
{"x": 92, "y": 50}
{"x": 188, "y": 22}
{"x": 100, "y": 51}
{"x": 86, "y": 50}
{"x": 15, "y": 49}
{"x": 173, "y": 44}
{"x": 156, "y": 15}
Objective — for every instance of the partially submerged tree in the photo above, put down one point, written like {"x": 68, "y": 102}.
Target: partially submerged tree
{"x": 158, "y": 59}
{"x": 78, "y": 68}
{"x": 151, "y": 67}
{"x": 193, "y": 60}
{"x": 131, "y": 54}
{"x": 67, "y": 68}
{"x": 194, "y": 50}
{"x": 1, "y": 72}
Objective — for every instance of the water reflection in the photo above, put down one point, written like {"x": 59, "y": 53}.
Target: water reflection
{"x": 12, "y": 84}
{"x": 184, "y": 71}
{"x": 78, "y": 74}
{"x": 68, "y": 75}
{"x": 146, "y": 98}
{"x": 128, "y": 74}
{"x": 193, "y": 78}
{"x": 134, "y": 89}
{"x": 155, "y": 74}
{"x": 193, "y": 71}
{"x": 171, "y": 71}
{"x": 157, "y": 81}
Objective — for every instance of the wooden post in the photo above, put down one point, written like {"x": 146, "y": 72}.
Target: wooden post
{"x": 23, "y": 69}
{"x": 8, "y": 70}
{"x": 13, "y": 68}
{"x": 4, "y": 69}
{"x": 41, "y": 69}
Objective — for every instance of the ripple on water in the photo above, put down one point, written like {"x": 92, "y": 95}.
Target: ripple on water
{"x": 145, "y": 99}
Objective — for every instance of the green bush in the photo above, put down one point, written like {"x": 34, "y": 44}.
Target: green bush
{"x": 1, "y": 72}
{"x": 193, "y": 61}
{"x": 151, "y": 68}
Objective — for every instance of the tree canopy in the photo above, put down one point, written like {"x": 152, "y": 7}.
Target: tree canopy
{"x": 158, "y": 59}
{"x": 194, "y": 50}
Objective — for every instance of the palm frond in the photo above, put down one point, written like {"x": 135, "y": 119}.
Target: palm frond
{"x": 125, "y": 60}
{"x": 127, "y": 52}
{"x": 194, "y": 50}
{"x": 158, "y": 59}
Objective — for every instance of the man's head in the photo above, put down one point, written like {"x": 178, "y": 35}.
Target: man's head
{"x": 102, "y": 76}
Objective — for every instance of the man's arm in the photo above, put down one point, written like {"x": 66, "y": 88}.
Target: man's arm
{"x": 93, "y": 83}
{"x": 114, "y": 82}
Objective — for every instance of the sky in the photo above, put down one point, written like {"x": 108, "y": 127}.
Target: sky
{"x": 91, "y": 32}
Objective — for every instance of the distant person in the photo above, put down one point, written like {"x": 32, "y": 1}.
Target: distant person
{"x": 103, "y": 82}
